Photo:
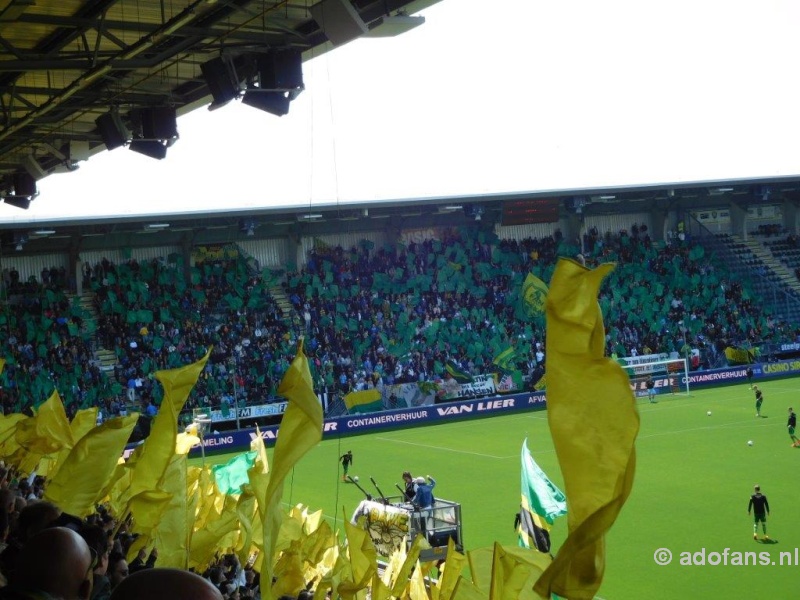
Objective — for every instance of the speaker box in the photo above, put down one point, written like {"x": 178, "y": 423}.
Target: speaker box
{"x": 339, "y": 21}
{"x": 112, "y": 130}
{"x": 24, "y": 185}
{"x": 221, "y": 80}
{"x": 158, "y": 123}
{"x": 280, "y": 70}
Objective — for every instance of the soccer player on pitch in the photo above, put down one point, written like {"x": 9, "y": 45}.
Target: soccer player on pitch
{"x": 791, "y": 424}
{"x": 759, "y": 400}
{"x": 760, "y": 507}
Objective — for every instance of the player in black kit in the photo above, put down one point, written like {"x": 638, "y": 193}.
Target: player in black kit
{"x": 760, "y": 507}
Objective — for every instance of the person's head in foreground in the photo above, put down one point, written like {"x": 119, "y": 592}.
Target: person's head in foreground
{"x": 165, "y": 584}
{"x": 56, "y": 562}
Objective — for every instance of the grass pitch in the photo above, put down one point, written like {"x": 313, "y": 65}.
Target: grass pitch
{"x": 694, "y": 477}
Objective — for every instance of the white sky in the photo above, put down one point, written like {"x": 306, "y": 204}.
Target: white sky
{"x": 487, "y": 96}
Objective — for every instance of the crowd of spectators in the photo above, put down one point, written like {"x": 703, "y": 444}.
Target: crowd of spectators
{"x": 371, "y": 317}
{"x": 45, "y": 553}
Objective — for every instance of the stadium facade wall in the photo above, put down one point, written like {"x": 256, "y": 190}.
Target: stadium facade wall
{"x": 617, "y": 222}
{"x": 530, "y": 230}
{"x": 346, "y": 240}
{"x": 32, "y": 265}
{"x": 272, "y": 253}
{"x": 139, "y": 253}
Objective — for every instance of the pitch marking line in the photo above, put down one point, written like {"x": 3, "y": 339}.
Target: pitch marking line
{"x": 444, "y": 448}
{"x": 720, "y": 426}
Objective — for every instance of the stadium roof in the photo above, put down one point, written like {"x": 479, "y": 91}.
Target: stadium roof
{"x": 66, "y": 63}
{"x": 485, "y": 211}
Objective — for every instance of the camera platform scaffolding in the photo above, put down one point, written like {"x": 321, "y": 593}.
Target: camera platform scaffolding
{"x": 390, "y": 520}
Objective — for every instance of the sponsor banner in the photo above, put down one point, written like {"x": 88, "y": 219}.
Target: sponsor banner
{"x": 662, "y": 385}
{"x": 411, "y": 395}
{"x": 644, "y": 358}
{"x": 249, "y": 412}
{"x": 232, "y": 441}
{"x": 785, "y": 350}
{"x": 481, "y": 385}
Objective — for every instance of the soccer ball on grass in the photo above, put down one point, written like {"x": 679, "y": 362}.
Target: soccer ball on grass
{"x": 749, "y": 442}
{"x": 355, "y": 478}
{"x": 709, "y": 413}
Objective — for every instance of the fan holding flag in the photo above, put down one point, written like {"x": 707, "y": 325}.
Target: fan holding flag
{"x": 541, "y": 503}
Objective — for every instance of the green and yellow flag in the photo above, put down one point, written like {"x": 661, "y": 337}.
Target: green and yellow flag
{"x": 457, "y": 373}
{"x": 534, "y": 295}
{"x": 542, "y": 503}
{"x": 505, "y": 359}
{"x": 364, "y": 401}
{"x": 592, "y": 412}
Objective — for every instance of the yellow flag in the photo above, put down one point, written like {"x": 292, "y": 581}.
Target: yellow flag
{"x": 466, "y": 590}
{"x": 480, "y": 568}
{"x": 289, "y": 579}
{"x": 83, "y": 422}
{"x": 401, "y": 575}
{"x": 534, "y": 295}
{"x": 48, "y": 432}
{"x": 316, "y": 546}
{"x": 214, "y": 536}
{"x": 146, "y": 508}
{"x": 2, "y": 365}
{"x": 159, "y": 447}
{"x": 172, "y": 535}
{"x": 416, "y": 587}
{"x": 246, "y": 512}
{"x": 258, "y": 446}
{"x": 363, "y": 563}
{"x": 453, "y": 565}
{"x": 89, "y": 466}
{"x": 8, "y": 432}
{"x": 592, "y": 412}
{"x": 514, "y": 570}
{"x": 300, "y": 430}
{"x": 184, "y": 442}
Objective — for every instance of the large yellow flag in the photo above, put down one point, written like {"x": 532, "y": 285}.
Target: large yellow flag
{"x": 87, "y": 469}
{"x": 514, "y": 570}
{"x": 82, "y": 423}
{"x": 593, "y": 420}
{"x": 159, "y": 447}
{"x": 453, "y": 565}
{"x": 47, "y": 432}
{"x": 8, "y": 432}
{"x": 300, "y": 430}
{"x": 173, "y": 534}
